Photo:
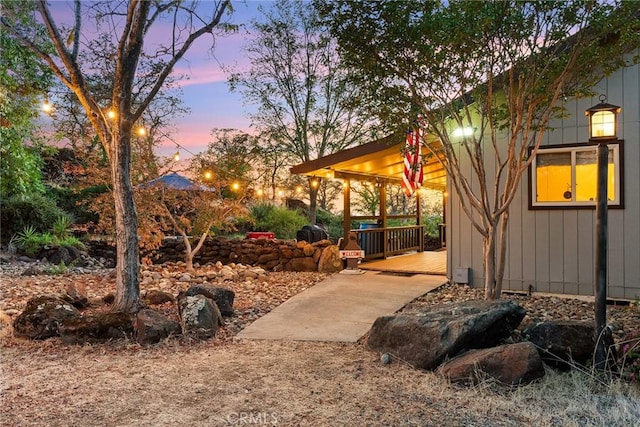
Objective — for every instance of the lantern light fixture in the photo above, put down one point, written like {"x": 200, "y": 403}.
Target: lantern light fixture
{"x": 602, "y": 120}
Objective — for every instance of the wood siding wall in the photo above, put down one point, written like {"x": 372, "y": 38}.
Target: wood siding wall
{"x": 553, "y": 250}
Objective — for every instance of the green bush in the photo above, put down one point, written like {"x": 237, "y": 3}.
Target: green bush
{"x": 34, "y": 210}
{"x": 333, "y": 223}
{"x": 282, "y": 221}
{"x": 30, "y": 242}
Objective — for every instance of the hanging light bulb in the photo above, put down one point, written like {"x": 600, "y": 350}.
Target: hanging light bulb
{"x": 176, "y": 157}
{"x": 46, "y": 106}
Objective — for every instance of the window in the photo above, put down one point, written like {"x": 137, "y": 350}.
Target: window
{"x": 566, "y": 176}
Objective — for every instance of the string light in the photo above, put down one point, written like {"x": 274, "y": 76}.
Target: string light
{"x": 111, "y": 114}
{"x": 260, "y": 192}
{"x": 208, "y": 175}
{"x": 47, "y": 107}
{"x": 142, "y": 131}
{"x": 314, "y": 183}
{"x": 176, "y": 157}
{"x": 235, "y": 186}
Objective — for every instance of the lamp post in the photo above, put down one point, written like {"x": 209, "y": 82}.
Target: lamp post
{"x": 602, "y": 130}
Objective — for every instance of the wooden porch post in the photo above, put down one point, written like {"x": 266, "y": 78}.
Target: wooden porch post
{"x": 419, "y": 220}
{"x": 346, "y": 224}
{"x": 383, "y": 217}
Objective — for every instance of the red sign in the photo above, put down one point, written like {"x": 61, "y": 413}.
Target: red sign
{"x": 352, "y": 254}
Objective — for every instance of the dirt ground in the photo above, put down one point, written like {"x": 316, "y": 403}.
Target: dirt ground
{"x": 225, "y": 382}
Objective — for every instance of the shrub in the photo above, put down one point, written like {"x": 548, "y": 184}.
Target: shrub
{"x": 333, "y": 223}
{"x": 630, "y": 357}
{"x": 33, "y": 210}
{"x": 282, "y": 221}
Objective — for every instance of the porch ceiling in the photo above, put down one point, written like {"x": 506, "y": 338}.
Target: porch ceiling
{"x": 379, "y": 159}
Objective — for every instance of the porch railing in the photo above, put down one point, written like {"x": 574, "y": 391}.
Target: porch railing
{"x": 385, "y": 242}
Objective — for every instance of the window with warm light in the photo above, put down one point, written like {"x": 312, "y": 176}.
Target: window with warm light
{"x": 566, "y": 177}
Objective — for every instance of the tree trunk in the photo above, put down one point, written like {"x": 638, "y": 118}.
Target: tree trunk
{"x": 489, "y": 252}
{"x": 127, "y": 298}
{"x": 188, "y": 252}
{"x": 313, "y": 202}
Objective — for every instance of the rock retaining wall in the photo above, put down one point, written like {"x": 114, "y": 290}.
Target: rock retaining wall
{"x": 272, "y": 255}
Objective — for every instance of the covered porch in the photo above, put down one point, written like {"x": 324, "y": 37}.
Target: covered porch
{"x": 380, "y": 164}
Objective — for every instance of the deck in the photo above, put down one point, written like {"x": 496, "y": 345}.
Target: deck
{"x": 415, "y": 263}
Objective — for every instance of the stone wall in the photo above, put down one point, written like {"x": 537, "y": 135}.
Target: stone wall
{"x": 272, "y": 255}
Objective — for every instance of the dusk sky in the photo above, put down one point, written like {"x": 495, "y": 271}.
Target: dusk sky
{"x": 205, "y": 92}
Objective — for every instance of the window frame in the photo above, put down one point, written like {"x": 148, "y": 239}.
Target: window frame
{"x": 618, "y": 162}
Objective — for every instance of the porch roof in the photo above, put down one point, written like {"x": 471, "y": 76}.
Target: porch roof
{"x": 380, "y": 159}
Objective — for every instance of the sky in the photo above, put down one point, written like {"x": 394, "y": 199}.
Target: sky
{"x": 205, "y": 92}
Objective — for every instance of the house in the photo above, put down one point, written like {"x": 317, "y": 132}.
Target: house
{"x": 551, "y": 234}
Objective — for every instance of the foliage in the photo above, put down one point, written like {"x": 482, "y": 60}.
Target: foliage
{"x": 23, "y": 83}
{"x": 332, "y": 222}
{"x": 502, "y": 68}
{"x": 630, "y": 356}
{"x": 227, "y": 163}
{"x": 30, "y": 241}
{"x": 62, "y": 226}
{"x": 281, "y": 221}
{"x": 34, "y": 210}
{"x": 132, "y": 88}
{"x": 301, "y": 91}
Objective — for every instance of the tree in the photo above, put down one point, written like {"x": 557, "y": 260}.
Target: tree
{"x": 132, "y": 21}
{"x": 500, "y": 68}
{"x": 23, "y": 82}
{"x": 302, "y": 92}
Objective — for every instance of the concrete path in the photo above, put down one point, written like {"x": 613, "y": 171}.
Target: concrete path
{"x": 340, "y": 308}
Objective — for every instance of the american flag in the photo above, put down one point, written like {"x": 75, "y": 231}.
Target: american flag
{"x": 413, "y": 175}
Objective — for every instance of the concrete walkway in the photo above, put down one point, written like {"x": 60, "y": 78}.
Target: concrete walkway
{"x": 340, "y": 308}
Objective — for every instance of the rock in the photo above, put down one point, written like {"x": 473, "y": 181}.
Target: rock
{"x": 157, "y": 297}
{"x": 511, "y": 364}
{"x": 425, "y": 338}
{"x": 101, "y": 327}
{"x": 58, "y": 255}
{"x": 223, "y": 297}
{"x": 184, "y": 277}
{"x": 152, "y": 327}
{"x": 32, "y": 270}
{"x": 330, "y": 261}
{"x": 562, "y": 343}
{"x": 303, "y": 264}
{"x": 200, "y": 316}
{"x": 42, "y": 317}
{"x": 385, "y": 359}
{"x": 77, "y": 293}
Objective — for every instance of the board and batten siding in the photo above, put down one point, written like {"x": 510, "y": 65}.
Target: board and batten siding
{"x": 553, "y": 250}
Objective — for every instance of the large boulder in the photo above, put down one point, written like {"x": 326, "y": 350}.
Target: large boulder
{"x": 42, "y": 317}
{"x": 223, "y": 297}
{"x": 510, "y": 364}
{"x": 101, "y": 327}
{"x": 152, "y": 327}
{"x": 426, "y": 338}
{"x": 200, "y": 316}
{"x": 563, "y": 343}
{"x": 330, "y": 261}
{"x": 303, "y": 264}
{"x": 76, "y": 293}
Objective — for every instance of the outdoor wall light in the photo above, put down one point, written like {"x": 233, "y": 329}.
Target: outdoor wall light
{"x": 462, "y": 132}
{"x": 602, "y": 120}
